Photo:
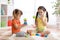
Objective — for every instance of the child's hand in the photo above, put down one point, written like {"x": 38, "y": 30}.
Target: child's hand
{"x": 16, "y": 26}
{"x": 23, "y": 25}
{"x": 34, "y": 26}
{"x": 42, "y": 18}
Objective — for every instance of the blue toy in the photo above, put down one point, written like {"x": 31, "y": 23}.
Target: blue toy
{"x": 46, "y": 35}
{"x": 38, "y": 34}
{"x": 25, "y": 21}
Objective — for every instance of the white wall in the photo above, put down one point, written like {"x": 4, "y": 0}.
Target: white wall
{"x": 10, "y": 9}
{"x": 3, "y": 1}
{"x": 29, "y": 8}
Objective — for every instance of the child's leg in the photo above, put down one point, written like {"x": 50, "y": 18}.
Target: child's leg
{"x": 46, "y": 31}
{"x": 20, "y": 34}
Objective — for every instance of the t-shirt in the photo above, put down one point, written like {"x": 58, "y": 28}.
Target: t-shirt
{"x": 16, "y": 30}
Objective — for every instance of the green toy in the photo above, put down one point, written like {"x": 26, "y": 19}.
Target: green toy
{"x": 25, "y": 19}
{"x": 41, "y": 29}
{"x": 34, "y": 17}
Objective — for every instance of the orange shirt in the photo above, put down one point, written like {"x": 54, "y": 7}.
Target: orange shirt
{"x": 15, "y": 30}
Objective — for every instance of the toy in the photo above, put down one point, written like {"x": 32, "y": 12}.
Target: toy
{"x": 34, "y": 17}
{"x": 42, "y": 34}
{"x": 32, "y": 34}
{"x": 38, "y": 34}
{"x": 25, "y": 21}
{"x": 39, "y": 30}
{"x": 46, "y": 35}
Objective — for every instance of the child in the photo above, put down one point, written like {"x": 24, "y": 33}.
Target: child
{"x": 16, "y": 24}
{"x": 41, "y": 19}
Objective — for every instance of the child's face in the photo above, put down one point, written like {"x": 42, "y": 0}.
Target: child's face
{"x": 41, "y": 12}
{"x": 18, "y": 16}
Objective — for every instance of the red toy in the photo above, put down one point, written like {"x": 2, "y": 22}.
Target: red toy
{"x": 42, "y": 34}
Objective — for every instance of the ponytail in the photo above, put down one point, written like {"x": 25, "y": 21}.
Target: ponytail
{"x": 47, "y": 16}
{"x": 36, "y": 15}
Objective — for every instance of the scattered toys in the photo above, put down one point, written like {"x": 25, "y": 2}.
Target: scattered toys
{"x": 41, "y": 34}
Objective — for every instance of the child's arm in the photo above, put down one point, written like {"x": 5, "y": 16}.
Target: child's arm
{"x": 23, "y": 25}
{"x": 16, "y": 26}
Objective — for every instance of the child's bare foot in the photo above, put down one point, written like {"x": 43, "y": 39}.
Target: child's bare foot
{"x": 47, "y": 32}
{"x": 29, "y": 32}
